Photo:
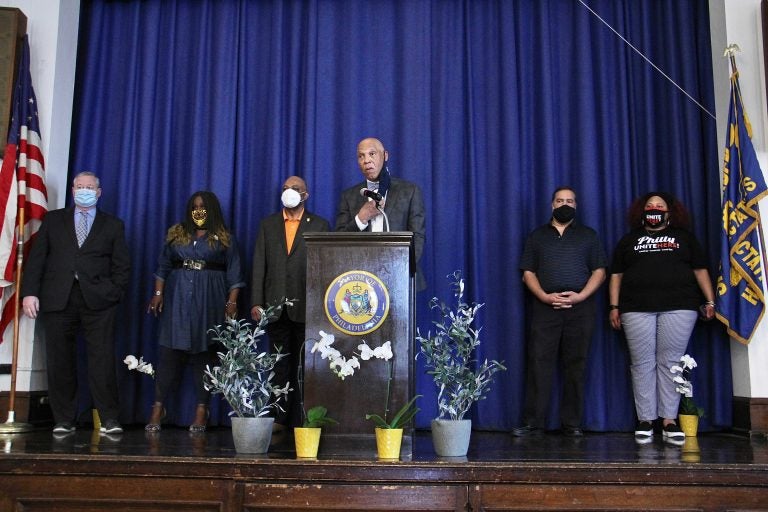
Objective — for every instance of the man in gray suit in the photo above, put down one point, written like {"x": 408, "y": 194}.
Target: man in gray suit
{"x": 280, "y": 271}
{"x": 361, "y": 206}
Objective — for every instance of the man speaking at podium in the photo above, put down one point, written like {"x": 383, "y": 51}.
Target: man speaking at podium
{"x": 381, "y": 202}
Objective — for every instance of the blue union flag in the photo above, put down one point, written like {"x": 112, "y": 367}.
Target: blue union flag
{"x": 740, "y": 301}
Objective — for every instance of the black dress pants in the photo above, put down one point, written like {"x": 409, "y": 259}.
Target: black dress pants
{"x": 289, "y": 335}
{"x": 98, "y": 328}
{"x": 566, "y": 333}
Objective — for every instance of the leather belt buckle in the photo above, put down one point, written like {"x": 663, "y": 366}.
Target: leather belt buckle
{"x": 194, "y": 264}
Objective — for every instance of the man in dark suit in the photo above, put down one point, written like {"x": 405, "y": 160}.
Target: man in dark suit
{"x": 401, "y": 201}
{"x": 280, "y": 271}
{"x": 76, "y": 274}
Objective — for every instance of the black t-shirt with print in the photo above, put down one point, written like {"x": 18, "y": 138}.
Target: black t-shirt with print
{"x": 657, "y": 268}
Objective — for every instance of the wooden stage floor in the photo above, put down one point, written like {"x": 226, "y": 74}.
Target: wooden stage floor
{"x": 177, "y": 470}
{"x": 485, "y": 447}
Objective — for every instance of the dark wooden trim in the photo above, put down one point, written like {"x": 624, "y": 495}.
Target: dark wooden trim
{"x": 122, "y": 482}
{"x": 13, "y": 26}
{"x": 30, "y": 407}
{"x": 294, "y": 471}
{"x": 175, "y": 471}
{"x": 750, "y": 415}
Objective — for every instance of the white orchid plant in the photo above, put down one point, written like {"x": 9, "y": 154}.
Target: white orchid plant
{"x": 683, "y": 385}
{"x": 345, "y": 367}
{"x": 244, "y": 376}
{"x": 139, "y": 365}
{"x": 449, "y": 352}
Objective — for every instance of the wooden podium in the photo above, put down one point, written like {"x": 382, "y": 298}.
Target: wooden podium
{"x": 360, "y": 287}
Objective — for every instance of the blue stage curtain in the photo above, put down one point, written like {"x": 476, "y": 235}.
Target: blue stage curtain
{"x": 487, "y": 105}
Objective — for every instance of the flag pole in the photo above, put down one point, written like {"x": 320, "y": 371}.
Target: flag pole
{"x": 11, "y": 425}
{"x": 731, "y": 56}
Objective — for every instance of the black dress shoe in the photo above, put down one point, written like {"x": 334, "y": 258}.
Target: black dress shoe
{"x": 571, "y": 431}
{"x": 526, "y": 430}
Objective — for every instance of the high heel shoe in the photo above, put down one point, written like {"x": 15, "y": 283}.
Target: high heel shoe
{"x": 201, "y": 418}
{"x": 156, "y": 418}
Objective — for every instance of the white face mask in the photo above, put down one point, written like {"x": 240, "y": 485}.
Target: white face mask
{"x": 290, "y": 198}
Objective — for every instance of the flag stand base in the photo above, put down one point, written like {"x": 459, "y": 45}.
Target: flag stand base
{"x": 13, "y": 427}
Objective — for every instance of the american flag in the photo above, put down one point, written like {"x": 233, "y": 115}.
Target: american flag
{"x": 22, "y": 186}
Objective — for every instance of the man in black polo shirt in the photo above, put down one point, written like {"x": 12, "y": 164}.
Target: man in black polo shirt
{"x": 563, "y": 265}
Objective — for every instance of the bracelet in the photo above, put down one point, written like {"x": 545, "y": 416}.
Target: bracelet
{"x": 613, "y": 306}
{"x": 231, "y": 303}
{"x": 158, "y": 293}
{"x": 710, "y": 303}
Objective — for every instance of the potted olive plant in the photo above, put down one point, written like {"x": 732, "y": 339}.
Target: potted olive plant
{"x": 461, "y": 379}
{"x": 244, "y": 378}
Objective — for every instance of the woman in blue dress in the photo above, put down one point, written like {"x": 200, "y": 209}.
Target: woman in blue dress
{"x": 197, "y": 283}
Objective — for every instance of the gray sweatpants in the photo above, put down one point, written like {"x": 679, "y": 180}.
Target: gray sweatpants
{"x": 656, "y": 342}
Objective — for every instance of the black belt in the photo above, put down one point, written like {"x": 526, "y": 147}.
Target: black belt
{"x": 198, "y": 265}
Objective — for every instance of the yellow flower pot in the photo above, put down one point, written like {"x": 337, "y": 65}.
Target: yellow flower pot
{"x": 388, "y": 442}
{"x": 689, "y": 424}
{"x": 691, "y": 452}
{"x": 307, "y": 442}
{"x": 691, "y": 445}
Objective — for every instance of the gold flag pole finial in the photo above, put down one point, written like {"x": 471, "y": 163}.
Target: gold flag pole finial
{"x": 730, "y": 51}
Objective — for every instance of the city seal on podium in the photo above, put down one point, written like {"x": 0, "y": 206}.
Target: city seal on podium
{"x": 357, "y": 302}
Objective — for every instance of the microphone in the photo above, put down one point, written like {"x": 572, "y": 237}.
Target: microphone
{"x": 372, "y": 194}
{"x": 377, "y": 198}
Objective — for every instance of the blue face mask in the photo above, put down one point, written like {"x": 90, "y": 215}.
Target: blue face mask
{"x": 85, "y": 197}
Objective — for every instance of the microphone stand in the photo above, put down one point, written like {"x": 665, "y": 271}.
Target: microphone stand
{"x": 386, "y": 219}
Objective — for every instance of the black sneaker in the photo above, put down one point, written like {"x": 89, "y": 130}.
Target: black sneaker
{"x": 526, "y": 430}
{"x": 672, "y": 432}
{"x": 64, "y": 427}
{"x": 644, "y": 429}
{"x": 111, "y": 427}
{"x": 641, "y": 440}
{"x": 571, "y": 431}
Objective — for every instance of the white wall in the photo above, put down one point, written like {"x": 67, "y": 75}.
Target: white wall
{"x": 52, "y": 29}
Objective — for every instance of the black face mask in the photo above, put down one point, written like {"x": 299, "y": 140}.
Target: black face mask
{"x": 564, "y": 214}
{"x": 654, "y": 218}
